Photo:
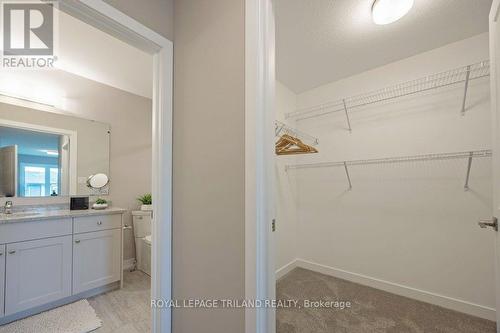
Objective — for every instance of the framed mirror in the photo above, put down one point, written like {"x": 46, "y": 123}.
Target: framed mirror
{"x": 45, "y": 154}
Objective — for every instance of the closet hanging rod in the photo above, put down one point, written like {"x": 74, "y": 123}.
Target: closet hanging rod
{"x": 281, "y": 128}
{"x": 390, "y": 160}
{"x": 435, "y": 81}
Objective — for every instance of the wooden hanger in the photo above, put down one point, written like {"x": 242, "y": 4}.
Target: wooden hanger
{"x": 289, "y": 145}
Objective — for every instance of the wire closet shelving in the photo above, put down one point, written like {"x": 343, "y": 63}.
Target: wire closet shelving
{"x": 455, "y": 76}
{"x": 469, "y": 155}
{"x": 281, "y": 128}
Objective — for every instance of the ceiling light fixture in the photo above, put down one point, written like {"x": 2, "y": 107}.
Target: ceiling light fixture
{"x": 389, "y": 11}
{"x": 50, "y": 152}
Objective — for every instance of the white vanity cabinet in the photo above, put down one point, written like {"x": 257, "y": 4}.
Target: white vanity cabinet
{"x": 96, "y": 259}
{"x": 52, "y": 261}
{"x": 37, "y": 272}
{"x": 97, "y": 251}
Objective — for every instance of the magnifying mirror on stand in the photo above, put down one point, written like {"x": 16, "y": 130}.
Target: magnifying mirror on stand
{"x": 98, "y": 182}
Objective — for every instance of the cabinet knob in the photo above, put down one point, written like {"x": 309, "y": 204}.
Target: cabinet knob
{"x": 77, "y": 241}
{"x": 127, "y": 227}
{"x": 99, "y": 222}
{"x": 12, "y": 251}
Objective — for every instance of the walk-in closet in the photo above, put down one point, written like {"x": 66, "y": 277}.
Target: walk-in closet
{"x": 383, "y": 167}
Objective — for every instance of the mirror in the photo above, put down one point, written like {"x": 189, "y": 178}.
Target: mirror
{"x": 47, "y": 154}
{"x": 98, "y": 181}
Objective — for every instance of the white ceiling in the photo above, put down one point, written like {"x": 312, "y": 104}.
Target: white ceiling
{"x": 321, "y": 41}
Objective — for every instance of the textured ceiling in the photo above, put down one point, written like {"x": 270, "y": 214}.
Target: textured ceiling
{"x": 320, "y": 41}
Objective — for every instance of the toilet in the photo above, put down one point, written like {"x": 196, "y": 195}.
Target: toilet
{"x": 142, "y": 233}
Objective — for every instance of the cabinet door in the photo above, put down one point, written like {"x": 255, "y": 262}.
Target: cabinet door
{"x": 37, "y": 272}
{"x": 2, "y": 280}
{"x": 96, "y": 259}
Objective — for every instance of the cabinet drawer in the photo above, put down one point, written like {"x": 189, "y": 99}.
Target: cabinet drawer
{"x": 23, "y": 231}
{"x": 96, "y": 223}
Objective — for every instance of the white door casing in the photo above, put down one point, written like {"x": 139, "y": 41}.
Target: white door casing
{"x": 494, "y": 29}
{"x": 259, "y": 163}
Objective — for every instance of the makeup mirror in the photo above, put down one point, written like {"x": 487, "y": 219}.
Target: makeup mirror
{"x": 98, "y": 181}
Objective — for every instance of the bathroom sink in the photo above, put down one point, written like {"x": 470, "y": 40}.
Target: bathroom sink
{"x": 18, "y": 215}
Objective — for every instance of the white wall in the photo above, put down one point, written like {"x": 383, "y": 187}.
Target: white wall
{"x": 286, "y": 203}
{"x": 411, "y": 225}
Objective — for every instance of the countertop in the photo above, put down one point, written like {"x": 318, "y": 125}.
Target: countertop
{"x": 46, "y": 214}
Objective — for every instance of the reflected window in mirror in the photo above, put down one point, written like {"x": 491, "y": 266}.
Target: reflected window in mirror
{"x": 40, "y": 161}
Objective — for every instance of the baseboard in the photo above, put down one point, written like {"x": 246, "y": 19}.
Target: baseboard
{"x": 398, "y": 289}
{"x": 128, "y": 264}
{"x": 286, "y": 269}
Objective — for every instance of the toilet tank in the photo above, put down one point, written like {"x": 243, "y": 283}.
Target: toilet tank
{"x": 142, "y": 223}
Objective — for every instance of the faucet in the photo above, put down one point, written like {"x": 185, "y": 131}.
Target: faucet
{"x": 7, "y": 209}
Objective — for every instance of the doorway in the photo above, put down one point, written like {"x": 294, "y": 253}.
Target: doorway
{"x": 335, "y": 189}
{"x": 39, "y": 177}
{"x": 111, "y": 21}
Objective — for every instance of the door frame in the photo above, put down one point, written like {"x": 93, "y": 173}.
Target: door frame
{"x": 112, "y": 21}
{"x": 260, "y": 280}
{"x": 493, "y": 19}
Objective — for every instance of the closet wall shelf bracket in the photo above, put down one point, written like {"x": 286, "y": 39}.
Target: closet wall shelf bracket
{"x": 347, "y": 116}
{"x": 347, "y": 174}
{"x": 467, "y": 77}
{"x": 469, "y": 165}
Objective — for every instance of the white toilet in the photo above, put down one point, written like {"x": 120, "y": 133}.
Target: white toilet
{"x": 142, "y": 234}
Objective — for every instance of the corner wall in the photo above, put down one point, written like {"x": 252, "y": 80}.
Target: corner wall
{"x": 408, "y": 228}
{"x": 209, "y": 162}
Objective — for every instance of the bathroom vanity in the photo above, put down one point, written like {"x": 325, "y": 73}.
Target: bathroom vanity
{"x": 52, "y": 257}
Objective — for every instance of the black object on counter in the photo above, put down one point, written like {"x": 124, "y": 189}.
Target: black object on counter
{"x": 79, "y": 203}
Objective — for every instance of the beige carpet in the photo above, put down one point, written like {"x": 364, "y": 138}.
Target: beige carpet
{"x": 78, "y": 317}
{"x": 372, "y": 311}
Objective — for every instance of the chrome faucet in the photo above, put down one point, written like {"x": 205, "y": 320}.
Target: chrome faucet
{"x": 7, "y": 209}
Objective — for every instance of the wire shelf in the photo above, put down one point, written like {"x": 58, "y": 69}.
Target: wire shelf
{"x": 435, "y": 81}
{"x": 391, "y": 160}
{"x": 282, "y": 128}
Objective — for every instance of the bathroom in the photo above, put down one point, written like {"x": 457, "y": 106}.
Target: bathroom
{"x": 75, "y": 185}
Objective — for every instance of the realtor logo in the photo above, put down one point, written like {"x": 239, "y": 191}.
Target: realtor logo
{"x": 28, "y": 30}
